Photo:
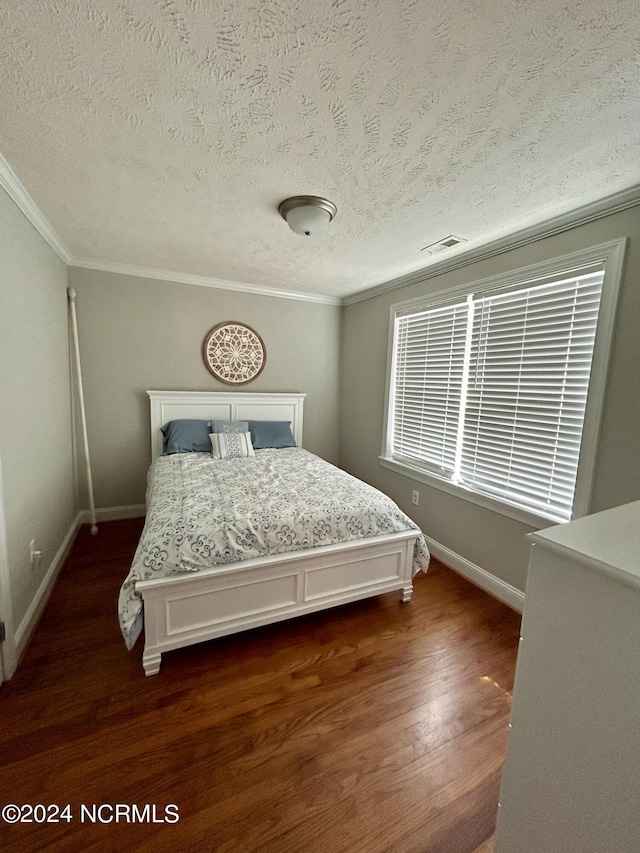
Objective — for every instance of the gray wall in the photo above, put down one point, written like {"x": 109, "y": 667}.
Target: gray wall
{"x": 35, "y": 405}
{"x": 138, "y": 334}
{"x": 486, "y": 538}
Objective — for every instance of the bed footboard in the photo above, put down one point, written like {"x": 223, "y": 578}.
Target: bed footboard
{"x": 181, "y": 610}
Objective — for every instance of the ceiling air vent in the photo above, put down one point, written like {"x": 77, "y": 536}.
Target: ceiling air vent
{"x": 446, "y": 243}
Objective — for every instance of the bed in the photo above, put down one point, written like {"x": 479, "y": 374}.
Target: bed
{"x": 202, "y": 570}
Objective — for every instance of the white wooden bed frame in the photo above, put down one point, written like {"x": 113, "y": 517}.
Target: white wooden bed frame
{"x": 181, "y": 610}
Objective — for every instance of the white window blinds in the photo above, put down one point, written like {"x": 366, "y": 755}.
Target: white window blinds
{"x": 429, "y": 366}
{"x": 490, "y": 392}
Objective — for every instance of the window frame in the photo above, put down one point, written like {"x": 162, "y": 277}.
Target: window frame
{"x": 611, "y": 254}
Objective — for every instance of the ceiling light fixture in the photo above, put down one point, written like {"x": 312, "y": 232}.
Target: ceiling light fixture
{"x": 307, "y": 214}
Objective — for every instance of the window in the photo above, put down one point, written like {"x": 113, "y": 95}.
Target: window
{"x": 494, "y": 389}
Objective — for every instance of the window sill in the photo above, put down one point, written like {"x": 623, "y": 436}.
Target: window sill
{"x": 524, "y": 516}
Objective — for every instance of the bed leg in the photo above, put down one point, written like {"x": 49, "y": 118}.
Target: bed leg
{"x": 151, "y": 662}
{"x": 406, "y": 592}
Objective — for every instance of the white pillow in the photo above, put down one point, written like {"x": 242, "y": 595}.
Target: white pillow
{"x": 231, "y": 445}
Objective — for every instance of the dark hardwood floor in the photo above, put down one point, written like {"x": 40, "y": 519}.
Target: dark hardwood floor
{"x": 372, "y": 727}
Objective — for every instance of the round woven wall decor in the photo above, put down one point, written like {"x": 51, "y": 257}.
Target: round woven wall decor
{"x": 234, "y": 353}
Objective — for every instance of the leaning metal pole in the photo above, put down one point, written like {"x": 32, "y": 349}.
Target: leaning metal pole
{"x": 83, "y": 418}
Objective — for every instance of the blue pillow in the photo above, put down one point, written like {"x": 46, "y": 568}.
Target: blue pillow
{"x": 186, "y": 436}
{"x": 271, "y": 434}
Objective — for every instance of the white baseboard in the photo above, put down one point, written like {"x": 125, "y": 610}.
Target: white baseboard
{"x": 37, "y": 606}
{"x": 113, "y": 513}
{"x": 40, "y": 599}
{"x": 480, "y": 577}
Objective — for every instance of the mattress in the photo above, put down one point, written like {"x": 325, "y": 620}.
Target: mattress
{"x": 204, "y": 512}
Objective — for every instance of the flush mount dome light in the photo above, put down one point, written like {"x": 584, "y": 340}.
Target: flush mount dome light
{"x": 307, "y": 214}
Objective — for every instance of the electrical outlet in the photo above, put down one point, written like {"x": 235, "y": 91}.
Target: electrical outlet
{"x": 35, "y": 555}
{"x": 415, "y": 497}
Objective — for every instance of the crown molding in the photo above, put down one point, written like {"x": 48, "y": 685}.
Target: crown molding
{"x": 16, "y": 191}
{"x": 10, "y": 182}
{"x": 564, "y": 222}
{"x": 202, "y": 281}
{"x": 623, "y": 200}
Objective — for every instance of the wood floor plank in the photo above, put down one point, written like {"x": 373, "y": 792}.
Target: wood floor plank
{"x": 371, "y": 727}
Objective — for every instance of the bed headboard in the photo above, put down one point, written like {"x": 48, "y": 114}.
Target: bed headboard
{"x": 229, "y": 406}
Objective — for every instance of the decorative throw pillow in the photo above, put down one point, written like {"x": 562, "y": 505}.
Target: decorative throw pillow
{"x": 229, "y": 426}
{"x": 186, "y": 435}
{"x": 231, "y": 445}
{"x": 271, "y": 434}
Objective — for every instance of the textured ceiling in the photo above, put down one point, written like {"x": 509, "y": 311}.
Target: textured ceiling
{"x": 164, "y": 133}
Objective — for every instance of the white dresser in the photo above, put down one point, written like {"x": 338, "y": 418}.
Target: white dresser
{"x": 571, "y": 782}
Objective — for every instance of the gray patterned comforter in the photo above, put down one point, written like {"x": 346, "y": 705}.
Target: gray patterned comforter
{"x": 203, "y": 511}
